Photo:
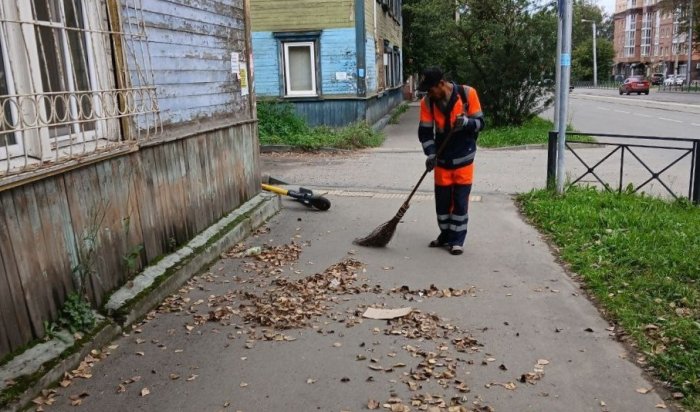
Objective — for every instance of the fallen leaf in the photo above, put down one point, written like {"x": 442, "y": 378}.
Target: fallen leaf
{"x": 644, "y": 390}
{"x": 174, "y": 376}
{"x": 145, "y": 392}
{"x": 337, "y": 344}
{"x": 243, "y": 384}
{"x": 191, "y": 378}
{"x": 310, "y": 381}
{"x": 661, "y": 406}
{"x": 372, "y": 404}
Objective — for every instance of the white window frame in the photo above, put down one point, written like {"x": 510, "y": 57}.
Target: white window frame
{"x": 312, "y": 63}
{"x": 21, "y": 50}
{"x": 631, "y": 25}
{"x": 646, "y": 34}
{"x": 17, "y": 148}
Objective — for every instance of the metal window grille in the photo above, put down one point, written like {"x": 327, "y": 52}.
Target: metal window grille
{"x": 75, "y": 80}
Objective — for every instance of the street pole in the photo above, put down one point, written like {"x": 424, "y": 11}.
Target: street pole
{"x": 595, "y": 63}
{"x": 690, "y": 43}
{"x": 557, "y": 82}
{"x": 565, "y": 14}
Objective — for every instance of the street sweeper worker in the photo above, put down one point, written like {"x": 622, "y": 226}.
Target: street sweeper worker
{"x": 450, "y": 111}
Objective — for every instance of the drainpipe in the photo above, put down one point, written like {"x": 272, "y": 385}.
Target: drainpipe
{"x": 360, "y": 48}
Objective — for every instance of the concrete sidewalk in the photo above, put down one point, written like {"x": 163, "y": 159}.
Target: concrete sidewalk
{"x": 515, "y": 332}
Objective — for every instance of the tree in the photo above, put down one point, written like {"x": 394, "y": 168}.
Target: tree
{"x": 509, "y": 48}
{"x": 428, "y": 33}
{"x": 581, "y": 31}
{"x": 582, "y": 60}
{"x": 682, "y": 8}
{"x": 506, "y": 49}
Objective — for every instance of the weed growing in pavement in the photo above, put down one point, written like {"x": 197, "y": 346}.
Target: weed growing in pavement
{"x": 639, "y": 257}
{"x": 280, "y": 125}
{"x": 396, "y": 114}
{"x": 534, "y": 131}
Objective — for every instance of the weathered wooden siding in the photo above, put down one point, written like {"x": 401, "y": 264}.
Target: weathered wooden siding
{"x": 337, "y": 55}
{"x": 287, "y": 15}
{"x": 386, "y": 28}
{"x": 167, "y": 193}
{"x": 379, "y": 26}
{"x": 340, "y": 112}
{"x": 159, "y": 193}
{"x": 190, "y": 43}
{"x": 372, "y": 68}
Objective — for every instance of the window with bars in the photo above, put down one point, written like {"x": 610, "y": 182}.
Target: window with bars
{"x": 646, "y": 34}
{"x": 60, "y": 91}
{"x": 630, "y": 28}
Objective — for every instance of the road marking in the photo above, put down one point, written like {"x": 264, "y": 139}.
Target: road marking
{"x": 641, "y": 115}
{"x": 670, "y": 120}
{"x": 695, "y": 124}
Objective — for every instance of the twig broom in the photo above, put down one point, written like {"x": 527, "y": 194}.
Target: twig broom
{"x": 381, "y": 236}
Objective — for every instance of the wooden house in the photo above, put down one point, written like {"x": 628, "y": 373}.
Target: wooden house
{"x": 127, "y": 127}
{"x": 337, "y": 61}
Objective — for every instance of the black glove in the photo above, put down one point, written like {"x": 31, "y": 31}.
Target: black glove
{"x": 461, "y": 122}
{"x": 430, "y": 162}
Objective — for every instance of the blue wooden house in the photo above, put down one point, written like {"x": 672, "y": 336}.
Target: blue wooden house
{"x": 337, "y": 61}
{"x": 127, "y": 128}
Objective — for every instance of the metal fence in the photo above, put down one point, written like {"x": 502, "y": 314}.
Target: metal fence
{"x": 693, "y": 87}
{"x": 663, "y": 166}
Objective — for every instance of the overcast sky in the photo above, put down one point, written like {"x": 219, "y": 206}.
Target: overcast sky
{"x": 608, "y": 5}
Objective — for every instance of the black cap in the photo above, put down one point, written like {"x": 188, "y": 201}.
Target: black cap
{"x": 431, "y": 77}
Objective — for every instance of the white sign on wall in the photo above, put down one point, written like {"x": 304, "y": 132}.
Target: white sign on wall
{"x": 235, "y": 64}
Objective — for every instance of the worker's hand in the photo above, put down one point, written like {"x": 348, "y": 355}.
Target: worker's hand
{"x": 430, "y": 162}
{"x": 461, "y": 122}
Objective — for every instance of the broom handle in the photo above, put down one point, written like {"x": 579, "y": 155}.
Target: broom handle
{"x": 404, "y": 206}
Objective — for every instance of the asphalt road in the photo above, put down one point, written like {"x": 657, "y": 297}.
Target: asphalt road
{"x": 658, "y": 114}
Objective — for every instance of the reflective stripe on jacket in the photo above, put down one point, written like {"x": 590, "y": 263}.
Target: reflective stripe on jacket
{"x": 433, "y": 128}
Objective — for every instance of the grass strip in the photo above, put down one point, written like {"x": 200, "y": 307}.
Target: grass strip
{"x": 534, "y": 131}
{"x": 639, "y": 257}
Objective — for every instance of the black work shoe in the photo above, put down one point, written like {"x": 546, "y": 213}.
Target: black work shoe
{"x": 436, "y": 243}
{"x": 456, "y": 250}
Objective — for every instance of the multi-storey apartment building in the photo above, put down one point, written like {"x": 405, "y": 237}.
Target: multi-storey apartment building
{"x": 648, "y": 40}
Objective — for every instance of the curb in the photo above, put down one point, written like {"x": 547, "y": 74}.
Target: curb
{"x": 151, "y": 286}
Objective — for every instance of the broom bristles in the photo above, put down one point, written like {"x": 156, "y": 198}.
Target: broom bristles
{"x": 381, "y": 236}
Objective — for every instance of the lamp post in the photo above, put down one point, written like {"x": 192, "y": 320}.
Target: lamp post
{"x": 595, "y": 63}
{"x": 690, "y": 43}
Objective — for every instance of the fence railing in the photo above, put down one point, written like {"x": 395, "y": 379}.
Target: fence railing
{"x": 601, "y": 84}
{"x": 693, "y": 87}
{"x": 653, "y": 156}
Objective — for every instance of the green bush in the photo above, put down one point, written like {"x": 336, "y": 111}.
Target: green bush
{"x": 280, "y": 125}
{"x": 279, "y": 119}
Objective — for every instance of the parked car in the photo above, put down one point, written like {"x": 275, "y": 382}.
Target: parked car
{"x": 618, "y": 78}
{"x": 657, "y": 78}
{"x": 635, "y": 84}
{"x": 674, "y": 80}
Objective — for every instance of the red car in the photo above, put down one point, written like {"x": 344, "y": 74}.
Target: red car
{"x": 635, "y": 84}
